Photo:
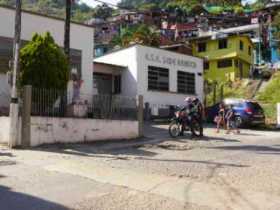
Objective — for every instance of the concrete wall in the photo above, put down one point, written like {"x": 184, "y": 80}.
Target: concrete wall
{"x": 81, "y": 37}
{"x": 5, "y": 128}
{"x": 68, "y": 130}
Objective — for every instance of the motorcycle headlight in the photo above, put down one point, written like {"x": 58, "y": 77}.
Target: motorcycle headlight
{"x": 177, "y": 114}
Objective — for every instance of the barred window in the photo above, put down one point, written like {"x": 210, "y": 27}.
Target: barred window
{"x": 185, "y": 82}
{"x": 241, "y": 45}
{"x": 206, "y": 65}
{"x": 117, "y": 84}
{"x": 223, "y": 43}
{"x": 225, "y": 63}
{"x": 201, "y": 47}
{"x": 158, "y": 78}
{"x": 6, "y": 53}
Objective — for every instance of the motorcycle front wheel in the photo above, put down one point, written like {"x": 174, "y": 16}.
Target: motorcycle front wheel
{"x": 174, "y": 129}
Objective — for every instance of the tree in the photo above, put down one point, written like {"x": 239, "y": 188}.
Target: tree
{"x": 141, "y": 34}
{"x": 103, "y": 11}
{"x": 43, "y": 64}
{"x": 276, "y": 27}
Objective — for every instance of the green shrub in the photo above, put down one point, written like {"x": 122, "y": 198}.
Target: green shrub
{"x": 43, "y": 64}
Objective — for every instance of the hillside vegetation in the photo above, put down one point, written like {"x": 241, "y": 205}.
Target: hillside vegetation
{"x": 271, "y": 92}
{"x": 81, "y": 12}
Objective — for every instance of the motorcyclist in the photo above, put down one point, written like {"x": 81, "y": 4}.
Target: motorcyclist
{"x": 198, "y": 107}
{"x": 195, "y": 109}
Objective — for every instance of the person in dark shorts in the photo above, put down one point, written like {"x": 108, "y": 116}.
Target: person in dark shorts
{"x": 230, "y": 118}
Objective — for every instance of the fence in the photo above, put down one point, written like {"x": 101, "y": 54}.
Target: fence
{"x": 60, "y": 103}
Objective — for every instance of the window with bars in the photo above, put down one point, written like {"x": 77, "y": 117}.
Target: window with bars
{"x": 223, "y": 43}
{"x": 6, "y": 53}
{"x": 158, "y": 78}
{"x": 117, "y": 84}
{"x": 185, "y": 82}
{"x": 206, "y": 65}
{"x": 241, "y": 45}
{"x": 224, "y": 63}
{"x": 201, "y": 47}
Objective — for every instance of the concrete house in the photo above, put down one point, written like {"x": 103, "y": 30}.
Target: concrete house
{"x": 81, "y": 44}
{"x": 164, "y": 78}
{"x": 227, "y": 57}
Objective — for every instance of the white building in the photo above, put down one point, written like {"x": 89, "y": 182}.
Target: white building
{"x": 164, "y": 78}
{"x": 81, "y": 44}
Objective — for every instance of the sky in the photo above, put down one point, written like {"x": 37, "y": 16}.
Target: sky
{"x": 94, "y": 3}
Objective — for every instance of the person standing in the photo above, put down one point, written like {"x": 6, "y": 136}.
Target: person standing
{"x": 231, "y": 118}
{"x": 220, "y": 118}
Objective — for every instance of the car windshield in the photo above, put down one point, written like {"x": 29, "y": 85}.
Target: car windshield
{"x": 255, "y": 106}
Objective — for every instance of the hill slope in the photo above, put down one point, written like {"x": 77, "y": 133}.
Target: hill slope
{"x": 81, "y": 12}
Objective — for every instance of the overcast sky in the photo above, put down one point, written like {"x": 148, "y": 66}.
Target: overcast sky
{"x": 94, "y": 3}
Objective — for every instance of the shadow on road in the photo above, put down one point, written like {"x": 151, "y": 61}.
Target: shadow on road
{"x": 253, "y": 148}
{"x": 7, "y": 154}
{"x": 7, "y": 162}
{"x": 89, "y": 150}
{"x": 10, "y": 200}
{"x": 216, "y": 164}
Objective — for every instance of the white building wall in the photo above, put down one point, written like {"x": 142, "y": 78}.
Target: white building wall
{"x": 126, "y": 57}
{"x": 135, "y": 80}
{"x": 81, "y": 37}
{"x": 45, "y": 130}
{"x": 67, "y": 130}
{"x": 171, "y": 97}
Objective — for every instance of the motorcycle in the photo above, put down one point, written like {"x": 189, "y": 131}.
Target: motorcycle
{"x": 184, "y": 120}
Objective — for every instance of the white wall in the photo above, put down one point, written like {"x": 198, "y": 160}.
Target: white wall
{"x": 171, "y": 97}
{"x": 5, "y": 128}
{"x": 126, "y": 57}
{"x": 135, "y": 80}
{"x": 68, "y": 130}
{"x": 81, "y": 37}
{"x": 46, "y": 130}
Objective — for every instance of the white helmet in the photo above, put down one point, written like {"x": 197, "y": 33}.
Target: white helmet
{"x": 188, "y": 100}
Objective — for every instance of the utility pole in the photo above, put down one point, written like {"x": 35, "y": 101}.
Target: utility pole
{"x": 14, "y": 106}
{"x": 67, "y": 28}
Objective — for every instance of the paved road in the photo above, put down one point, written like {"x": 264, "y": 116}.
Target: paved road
{"x": 216, "y": 172}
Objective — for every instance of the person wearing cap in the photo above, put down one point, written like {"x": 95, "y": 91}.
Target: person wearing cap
{"x": 198, "y": 107}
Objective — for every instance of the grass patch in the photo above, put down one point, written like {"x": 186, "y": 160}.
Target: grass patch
{"x": 271, "y": 93}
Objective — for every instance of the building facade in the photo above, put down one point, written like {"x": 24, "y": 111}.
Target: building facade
{"x": 228, "y": 57}
{"x": 164, "y": 78}
{"x": 81, "y": 43}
